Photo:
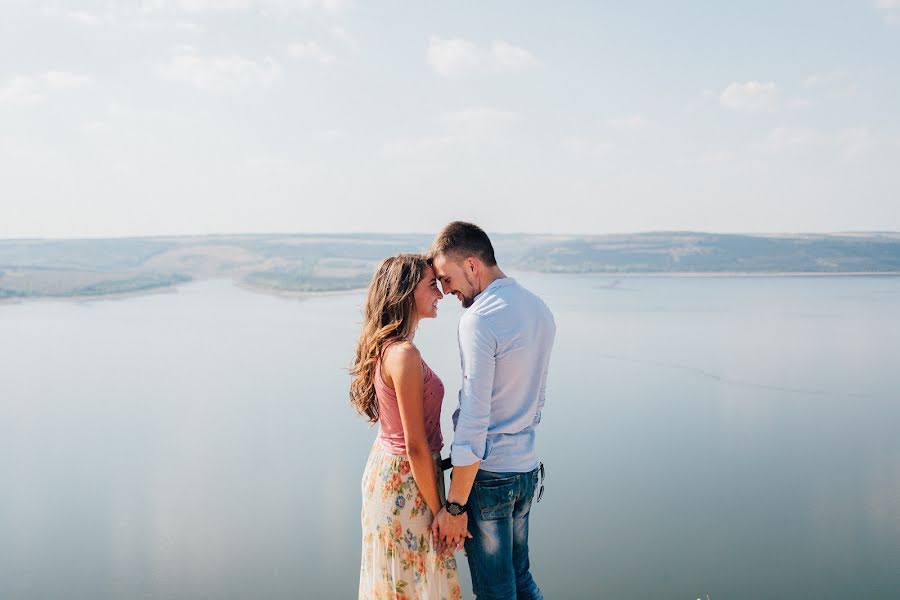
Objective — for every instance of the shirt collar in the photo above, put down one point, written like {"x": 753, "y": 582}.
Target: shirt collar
{"x": 495, "y": 284}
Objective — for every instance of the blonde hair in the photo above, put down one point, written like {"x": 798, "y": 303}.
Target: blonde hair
{"x": 389, "y": 313}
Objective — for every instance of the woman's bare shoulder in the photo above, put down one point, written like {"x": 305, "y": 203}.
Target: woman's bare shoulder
{"x": 401, "y": 352}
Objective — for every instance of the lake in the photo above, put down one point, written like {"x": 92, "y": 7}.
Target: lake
{"x": 736, "y": 437}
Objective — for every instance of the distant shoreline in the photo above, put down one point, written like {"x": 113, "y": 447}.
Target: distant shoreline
{"x": 172, "y": 289}
{"x": 735, "y": 274}
{"x": 307, "y": 266}
{"x": 169, "y": 289}
{"x": 294, "y": 293}
{"x": 324, "y": 293}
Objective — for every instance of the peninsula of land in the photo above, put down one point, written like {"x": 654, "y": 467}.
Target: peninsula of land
{"x": 307, "y": 263}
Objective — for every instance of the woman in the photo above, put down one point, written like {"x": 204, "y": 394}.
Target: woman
{"x": 403, "y": 484}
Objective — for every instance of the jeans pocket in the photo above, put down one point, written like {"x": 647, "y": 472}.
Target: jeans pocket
{"x": 496, "y": 498}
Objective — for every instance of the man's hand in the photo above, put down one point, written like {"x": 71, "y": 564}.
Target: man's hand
{"x": 450, "y": 532}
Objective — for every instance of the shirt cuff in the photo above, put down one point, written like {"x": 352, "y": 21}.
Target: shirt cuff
{"x": 463, "y": 456}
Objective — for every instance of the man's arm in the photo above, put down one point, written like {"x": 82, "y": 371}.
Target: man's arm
{"x": 542, "y": 393}
{"x": 451, "y": 531}
{"x": 478, "y": 354}
{"x": 478, "y": 348}
{"x": 461, "y": 484}
{"x": 542, "y": 396}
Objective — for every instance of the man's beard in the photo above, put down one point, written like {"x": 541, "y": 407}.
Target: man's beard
{"x": 469, "y": 299}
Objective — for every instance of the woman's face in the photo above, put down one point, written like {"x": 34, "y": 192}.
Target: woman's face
{"x": 427, "y": 295}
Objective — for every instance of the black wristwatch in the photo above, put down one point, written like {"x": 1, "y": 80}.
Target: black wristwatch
{"x": 455, "y": 509}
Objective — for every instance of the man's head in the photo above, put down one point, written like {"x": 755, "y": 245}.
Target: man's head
{"x": 463, "y": 260}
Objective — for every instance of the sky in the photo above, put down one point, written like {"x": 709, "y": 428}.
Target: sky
{"x": 165, "y": 117}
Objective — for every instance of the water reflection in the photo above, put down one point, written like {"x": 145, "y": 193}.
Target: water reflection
{"x": 200, "y": 444}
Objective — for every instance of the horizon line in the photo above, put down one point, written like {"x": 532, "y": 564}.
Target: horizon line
{"x": 419, "y": 233}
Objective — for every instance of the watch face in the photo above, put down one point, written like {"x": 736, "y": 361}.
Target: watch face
{"x": 455, "y": 509}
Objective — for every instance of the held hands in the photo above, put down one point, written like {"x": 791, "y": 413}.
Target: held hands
{"x": 450, "y": 532}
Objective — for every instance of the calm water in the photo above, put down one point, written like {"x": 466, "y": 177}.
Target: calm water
{"x": 732, "y": 437}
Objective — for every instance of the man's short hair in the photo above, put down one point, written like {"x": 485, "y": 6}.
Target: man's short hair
{"x": 459, "y": 240}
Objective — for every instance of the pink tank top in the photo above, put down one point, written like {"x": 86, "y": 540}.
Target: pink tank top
{"x": 391, "y": 428}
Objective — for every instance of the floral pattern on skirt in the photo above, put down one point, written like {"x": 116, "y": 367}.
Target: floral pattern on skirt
{"x": 399, "y": 561}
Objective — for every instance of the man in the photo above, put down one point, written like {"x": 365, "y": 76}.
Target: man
{"x": 505, "y": 339}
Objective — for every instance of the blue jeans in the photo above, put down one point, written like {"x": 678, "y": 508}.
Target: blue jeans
{"x": 498, "y": 550}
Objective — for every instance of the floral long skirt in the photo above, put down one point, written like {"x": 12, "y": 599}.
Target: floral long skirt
{"x": 399, "y": 561}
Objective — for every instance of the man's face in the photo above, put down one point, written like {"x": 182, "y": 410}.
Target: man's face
{"x": 456, "y": 278}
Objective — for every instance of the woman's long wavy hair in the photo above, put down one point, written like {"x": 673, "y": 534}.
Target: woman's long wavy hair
{"x": 389, "y": 313}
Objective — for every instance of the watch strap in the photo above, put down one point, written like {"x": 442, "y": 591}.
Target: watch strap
{"x": 455, "y": 509}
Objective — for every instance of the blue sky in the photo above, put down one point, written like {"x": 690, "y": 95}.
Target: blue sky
{"x": 201, "y": 116}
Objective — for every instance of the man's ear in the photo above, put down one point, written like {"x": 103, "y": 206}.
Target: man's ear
{"x": 472, "y": 265}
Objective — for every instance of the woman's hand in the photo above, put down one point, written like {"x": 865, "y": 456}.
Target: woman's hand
{"x": 450, "y": 532}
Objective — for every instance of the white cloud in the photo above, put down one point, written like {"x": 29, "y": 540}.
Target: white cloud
{"x": 701, "y": 102}
{"x": 95, "y": 127}
{"x": 849, "y": 143}
{"x": 457, "y": 56}
{"x": 832, "y": 84}
{"x": 267, "y": 165}
{"x": 462, "y": 129}
{"x": 752, "y": 96}
{"x": 856, "y": 142}
{"x": 120, "y": 111}
{"x": 889, "y": 10}
{"x": 23, "y": 89}
{"x": 824, "y": 79}
{"x": 340, "y": 34}
{"x": 330, "y": 135}
{"x": 194, "y": 6}
{"x": 228, "y": 73}
{"x": 715, "y": 158}
{"x": 310, "y": 51}
{"x": 417, "y": 148}
{"x": 788, "y": 138}
{"x": 118, "y": 14}
{"x": 629, "y": 122}
{"x": 64, "y": 79}
{"x": 453, "y": 57}
{"x": 20, "y": 90}
{"x": 591, "y": 150}
{"x": 798, "y": 103}
{"x": 478, "y": 122}
{"x": 479, "y": 116}
{"x": 189, "y": 27}
{"x": 91, "y": 19}
{"x": 211, "y": 6}
{"x": 508, "y": 56}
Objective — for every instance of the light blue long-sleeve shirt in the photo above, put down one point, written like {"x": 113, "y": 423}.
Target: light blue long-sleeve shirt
{"x": 505, "y": 339}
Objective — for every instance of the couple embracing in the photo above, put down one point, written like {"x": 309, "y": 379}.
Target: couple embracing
{"x": 411, "y": 526}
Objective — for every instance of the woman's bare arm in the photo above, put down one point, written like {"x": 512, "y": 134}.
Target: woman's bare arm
{"x": 405, "y": 372}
